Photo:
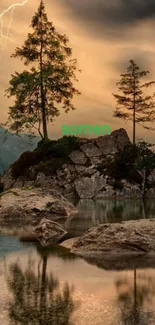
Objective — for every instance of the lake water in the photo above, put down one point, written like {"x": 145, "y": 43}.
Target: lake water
{"x": 91, "y": 213}
{"x": 51, "y": 286}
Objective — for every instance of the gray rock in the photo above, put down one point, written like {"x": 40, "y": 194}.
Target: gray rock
{"x": 78, "y": 157}
{"x": 88, "y": 187}
{"x": 106, "y": 192}
{"x": 49, "y": 232}
{"x": 68, "y": 187}
{"x": 121, "y": 137}
{"x": 71, "y": 168}
{"x": 27, "y": 206}
{"x": 79, "y": 168}
{"x": 60, "y": 173}
{"x": 107, "y": 144}
{"x": 130, "y": 190}
{"x": 96, "y": 160}
{"x": 126, "y": 238}
{"x": 150, "y": 193}
{"x": 42, "y": 181}
{"x": 90, "y": 150}
{"x": 89, "y": 171}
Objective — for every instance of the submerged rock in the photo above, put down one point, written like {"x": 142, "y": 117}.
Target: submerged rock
{"x": 27, "y": 206}
{"x": 49, "y": 232}
{"x": 117, "y": 239}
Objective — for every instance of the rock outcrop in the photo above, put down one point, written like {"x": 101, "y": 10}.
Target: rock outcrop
{"x": 49, "y": 232}
{"x": 79, "y": 176}
{"x": 134, "y": 237}
{"x": 84, "y": 171}
{"x": 29, "y": 206}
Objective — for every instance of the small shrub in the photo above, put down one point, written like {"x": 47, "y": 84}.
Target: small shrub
{"x": 26, "y": 160}
{"x": 123, "y": 165}
{"x": 45, "y": 145}
{"x": 50, "y": 167}
{"x": 102, "y": 166}
{"x": 117, "y": 185}
{"x": 58, "y": 148}
{"x": 117, "y": 170}
{"x": 134, "y": 176}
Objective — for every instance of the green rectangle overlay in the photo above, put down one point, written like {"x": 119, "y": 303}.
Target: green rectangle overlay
{"x": 85, "y": 129}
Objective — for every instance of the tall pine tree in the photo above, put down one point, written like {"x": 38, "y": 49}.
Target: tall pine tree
{"x": 41, "y": 91}
{"x": 133, "y": 104}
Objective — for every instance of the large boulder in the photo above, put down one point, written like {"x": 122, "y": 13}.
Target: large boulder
{"x": 107, "y": 144}
{"x": 90, "y": 150}
{"x": 28, "y": 206}
{"x": 49, "y": 232}
{"x": 89, "y": 187}
{"x": 121, "y": 137}
{"x": 78, "y": 157}
{"x": 117, "y": 239}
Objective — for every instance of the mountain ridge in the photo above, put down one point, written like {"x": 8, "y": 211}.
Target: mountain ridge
{"x": 12, "y": 146}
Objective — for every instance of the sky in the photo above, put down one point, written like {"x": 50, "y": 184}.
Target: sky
{"x": 104, "y": 36}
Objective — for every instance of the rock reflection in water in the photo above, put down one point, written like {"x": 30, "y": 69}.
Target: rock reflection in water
{"x": 39, "y": 299}
{"x": 93, "y": 212}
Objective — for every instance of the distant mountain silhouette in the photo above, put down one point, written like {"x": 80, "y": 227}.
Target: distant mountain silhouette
{"x": 12, "y": 146}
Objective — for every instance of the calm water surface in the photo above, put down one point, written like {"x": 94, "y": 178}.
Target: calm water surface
{"x": 50, "y": 286}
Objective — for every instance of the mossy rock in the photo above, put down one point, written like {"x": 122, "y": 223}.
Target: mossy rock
{"x": 26, "y": 160}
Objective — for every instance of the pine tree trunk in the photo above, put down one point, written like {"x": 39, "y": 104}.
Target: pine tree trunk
{"x": 134, "y": 127}
{"x": 44, "y": 121}
{"x": 134, "y": 113}
{"x": 144, "y": 182}
{"x": 45, "y": 134}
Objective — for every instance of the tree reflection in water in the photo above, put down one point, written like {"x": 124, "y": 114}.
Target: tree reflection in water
{"x": 38, "y": 299}
{"x": 133, "y": 298}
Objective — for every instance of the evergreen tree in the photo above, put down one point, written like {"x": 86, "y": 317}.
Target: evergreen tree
{"x": 145, "y": 161}
{"x": 133, "y": 104}
{"x": 40, "y": 91}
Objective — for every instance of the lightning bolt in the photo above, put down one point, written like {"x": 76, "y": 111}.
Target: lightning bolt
{"x": 5, "y": 37}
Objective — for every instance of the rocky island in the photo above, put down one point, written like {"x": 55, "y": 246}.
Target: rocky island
{"x": 82, "y": 168}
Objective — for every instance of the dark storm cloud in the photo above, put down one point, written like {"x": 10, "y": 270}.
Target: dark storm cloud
{"x": 144, "y": 59}
{"x": 114, "y": 11}
{"x": 109, "y": 15}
